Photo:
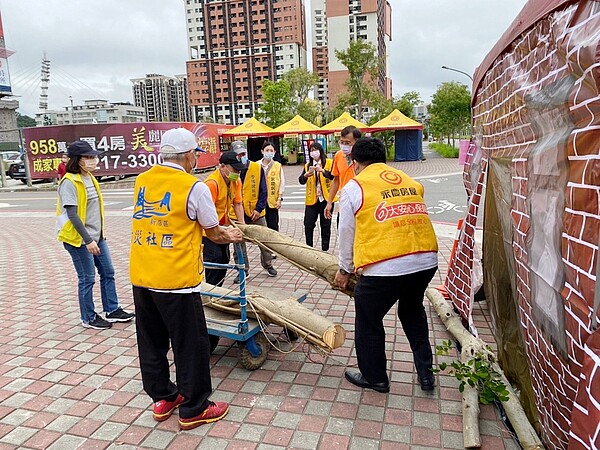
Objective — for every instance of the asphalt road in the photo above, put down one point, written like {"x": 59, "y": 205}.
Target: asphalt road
{"x": 444, "y": 195}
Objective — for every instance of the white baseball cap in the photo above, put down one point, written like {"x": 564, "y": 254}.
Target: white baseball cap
{"x": 178, "y": 140}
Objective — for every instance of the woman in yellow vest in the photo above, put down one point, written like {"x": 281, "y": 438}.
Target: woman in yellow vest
{"x": 80, "y": 223}
{"x": 317, "y": 178}
{"x": 275, "y": 185}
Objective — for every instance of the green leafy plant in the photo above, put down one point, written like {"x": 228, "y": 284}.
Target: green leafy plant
{"x": 445, "y": 150}
{"x": 477, "y": 372}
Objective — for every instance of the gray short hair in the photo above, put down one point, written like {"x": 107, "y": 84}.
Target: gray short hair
{"x": 168, "y": 153}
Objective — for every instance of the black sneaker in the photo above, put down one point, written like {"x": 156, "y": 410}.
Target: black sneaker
{"x": 119, "y": 316}
{"x": 97, "y": 324}
{"x": 272, "y": 272}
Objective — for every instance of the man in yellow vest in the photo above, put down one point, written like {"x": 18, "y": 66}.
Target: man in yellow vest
{"x": 389, "y": 241}
{"x": 172, "y": 211}
{"x": 226, "y": 190}
{"x": 254, "y": 195}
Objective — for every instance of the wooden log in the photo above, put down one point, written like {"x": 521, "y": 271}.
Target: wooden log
{"x": 471, "y": 346}
{"x": 286, "y": 312}
{"x": 321, "y": 264}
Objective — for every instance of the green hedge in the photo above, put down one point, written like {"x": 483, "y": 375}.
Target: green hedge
{"x": 445, "y": 150}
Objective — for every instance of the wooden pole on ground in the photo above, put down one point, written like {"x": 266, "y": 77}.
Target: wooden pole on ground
{"x": 472, "y": 346}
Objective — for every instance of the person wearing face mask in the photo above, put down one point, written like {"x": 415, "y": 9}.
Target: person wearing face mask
{"x": 379, "y": 207}
{"x": 342, "y": 170}
{"x": 80, "y": 227}
{"x": 226, "y": 191}
{"x": 254, "y": 198}
{"x": 172, "y": 212}
{"x": 317, "y": 178}
{"x": 273, "y": 171}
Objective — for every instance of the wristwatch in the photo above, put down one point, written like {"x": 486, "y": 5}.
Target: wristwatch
{"x": 343, "y": 272}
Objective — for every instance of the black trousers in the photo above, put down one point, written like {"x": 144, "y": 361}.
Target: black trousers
{"x": 178, "y": 318}
{"x": 217, "y": 253}
{"x": 373, "y": 298}
{"x": 272, "y": 216}
{"x": 311, "y": 213}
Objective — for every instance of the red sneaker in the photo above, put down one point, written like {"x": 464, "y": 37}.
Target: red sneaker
{"x": 163, "y": 409}
{"x": 214, "y": 412}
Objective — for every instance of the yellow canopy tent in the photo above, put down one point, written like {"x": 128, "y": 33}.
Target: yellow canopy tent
{"x": 395, "y": 121}
{"x": 250, "y": 128}
{"x": 342, "y": 122}
{"x": 297, "y": 125}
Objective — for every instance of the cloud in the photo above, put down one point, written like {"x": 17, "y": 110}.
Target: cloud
{"x": 97, "y": 46}
{"x": 436, "y": 33}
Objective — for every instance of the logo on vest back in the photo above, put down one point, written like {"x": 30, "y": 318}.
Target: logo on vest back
{"x": 383, "y": 212}
{"x": 390, "y": 177}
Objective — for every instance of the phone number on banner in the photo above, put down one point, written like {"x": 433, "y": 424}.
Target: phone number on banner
{"x": 132, "y": 160}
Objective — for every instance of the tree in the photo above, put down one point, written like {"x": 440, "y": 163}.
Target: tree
{"x": 381, "y": 107}
{"x": 24, "y": 121}
{"x": 363, "y": 64}
{"x": 301, "y": 82}
{"x": 276, "y": 108}
{"x": 310, "y": 110}
{"x": 450, "y": 110}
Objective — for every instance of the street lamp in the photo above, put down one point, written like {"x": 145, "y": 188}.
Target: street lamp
{"x": 459, "y": 71}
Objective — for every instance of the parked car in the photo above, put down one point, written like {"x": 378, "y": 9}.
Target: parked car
{"x": 8, "y": 158}
{"x": 17, "y": 171}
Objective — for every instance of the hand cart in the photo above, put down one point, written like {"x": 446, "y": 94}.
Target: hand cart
{"x": 253, "y": 344}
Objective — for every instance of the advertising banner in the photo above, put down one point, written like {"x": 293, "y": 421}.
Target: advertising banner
{"x": 4, "y": 76}
{"x": 127, "y": 148}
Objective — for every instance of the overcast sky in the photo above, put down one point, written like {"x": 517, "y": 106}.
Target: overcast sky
{"x": 97, "y": 46}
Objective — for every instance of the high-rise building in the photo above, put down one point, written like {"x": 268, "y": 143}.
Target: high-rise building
{"x": 92, "y": 111}
{"x": 335, "y": 23}
{"x": 164, "y": 98}
{"x": 233, "y": 46}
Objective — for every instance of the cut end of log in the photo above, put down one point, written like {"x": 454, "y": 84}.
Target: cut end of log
{"x": 335, "y": 336}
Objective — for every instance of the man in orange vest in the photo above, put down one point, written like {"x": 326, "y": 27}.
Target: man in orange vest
{"x": 172, "y": 210}
{"x": 389, "y": 241}
{"x": 226, "y": 191}
{"x": 342, "y": 170}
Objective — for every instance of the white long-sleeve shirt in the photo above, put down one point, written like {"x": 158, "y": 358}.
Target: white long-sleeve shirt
{"x": 350, "y": 201}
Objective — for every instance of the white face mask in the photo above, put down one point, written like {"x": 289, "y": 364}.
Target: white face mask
{"x": 89, "y": 165}
{"x": 315, "y": 154}
{"x": 346, "y": 149}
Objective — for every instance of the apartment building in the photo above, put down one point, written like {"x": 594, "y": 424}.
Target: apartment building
{"x": 92, "y": 111}
{"x": 165, "y": 99}
{"x": 233, "y": 46}
{"x": 335, "y": 23}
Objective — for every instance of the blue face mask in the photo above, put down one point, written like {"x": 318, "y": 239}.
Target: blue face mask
{"x": 244, "y": 160}
{"x": 268, "y": 155}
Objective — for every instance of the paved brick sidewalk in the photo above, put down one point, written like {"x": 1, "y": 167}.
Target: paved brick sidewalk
{"x": 66, "y": 387}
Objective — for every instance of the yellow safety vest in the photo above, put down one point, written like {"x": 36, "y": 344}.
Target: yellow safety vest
{"x": 392, "y": 220}
{"x": 311, "y": 184}
{"x": 166, "y": 245}
{"x": 67, "y": 232}
{"x": 273, "y": 184}
{"x": 250, "y": 189}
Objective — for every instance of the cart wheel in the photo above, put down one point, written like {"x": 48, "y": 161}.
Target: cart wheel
{"x": 250, "y": 362}
{"x": 214, "y": 341}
